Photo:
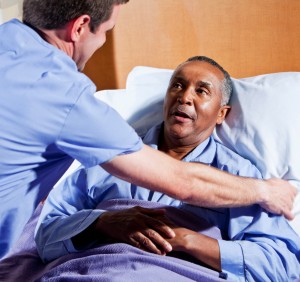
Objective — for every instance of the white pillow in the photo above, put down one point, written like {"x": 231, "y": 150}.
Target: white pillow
{"x": 142, "y": 100}
{"x": 263, "y": 124}
{"x": 10, "y": 9}
{"x": 264, "y": 127}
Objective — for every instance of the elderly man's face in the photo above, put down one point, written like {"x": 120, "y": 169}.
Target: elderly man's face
{"x": 192, "y": 105}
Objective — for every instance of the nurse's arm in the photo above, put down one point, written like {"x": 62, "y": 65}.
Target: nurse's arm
{"x": 199, "y": 184}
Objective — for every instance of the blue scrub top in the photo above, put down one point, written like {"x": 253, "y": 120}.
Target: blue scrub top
{"x": 48, "y": 117}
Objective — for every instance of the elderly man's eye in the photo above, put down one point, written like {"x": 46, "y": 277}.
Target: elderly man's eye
{"x": 177, "y": 85}
{"x": 202, "y": 91}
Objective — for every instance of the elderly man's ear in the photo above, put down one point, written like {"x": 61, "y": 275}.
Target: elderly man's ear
{"x": 223, "y": 112}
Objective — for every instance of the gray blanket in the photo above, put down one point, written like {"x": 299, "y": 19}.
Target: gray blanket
{"x": 111, "y": 262}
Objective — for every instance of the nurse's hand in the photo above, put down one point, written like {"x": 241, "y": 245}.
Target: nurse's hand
{"x": 278, "y": 197}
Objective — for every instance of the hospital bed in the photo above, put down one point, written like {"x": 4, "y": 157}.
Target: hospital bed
{"x": 255, "y": 40}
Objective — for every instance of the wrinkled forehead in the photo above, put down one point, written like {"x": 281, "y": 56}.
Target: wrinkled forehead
{"x": 200, "y": 69}
{"x": 199, "y": 74}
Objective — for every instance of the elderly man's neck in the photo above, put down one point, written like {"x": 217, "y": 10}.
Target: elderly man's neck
{"x": 175, "y": 148}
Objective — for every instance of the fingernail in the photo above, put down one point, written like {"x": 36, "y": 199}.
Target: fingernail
{"x": 172, "y": 233}
{"x": 169, "y": 248}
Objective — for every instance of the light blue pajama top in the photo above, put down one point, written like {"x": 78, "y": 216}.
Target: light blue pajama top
{"x": 48, "y": 117}
{"x": 257, "y": 246}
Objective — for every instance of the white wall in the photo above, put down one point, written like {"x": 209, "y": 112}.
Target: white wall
{"x": 10, "y": 9}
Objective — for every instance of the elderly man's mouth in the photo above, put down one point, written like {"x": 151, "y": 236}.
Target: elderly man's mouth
{"x": 182, "y": 116}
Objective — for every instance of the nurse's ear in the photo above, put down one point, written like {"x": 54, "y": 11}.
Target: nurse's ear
{"x": 78, "y": 27}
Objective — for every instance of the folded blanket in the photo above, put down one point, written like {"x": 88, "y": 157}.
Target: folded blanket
{"x": 111, "y": 262}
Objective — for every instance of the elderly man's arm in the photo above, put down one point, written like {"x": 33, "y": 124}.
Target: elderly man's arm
{"x": 255, "y": 256}
{"x": 199, "y": 184}
{"x": 203, "y": 248}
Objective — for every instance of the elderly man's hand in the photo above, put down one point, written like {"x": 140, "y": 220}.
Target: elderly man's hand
{"x": 139, "y": 227}
{"x": 278, "y": 197}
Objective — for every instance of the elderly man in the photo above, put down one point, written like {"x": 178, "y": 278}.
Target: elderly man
{"x": 196, "y": 101}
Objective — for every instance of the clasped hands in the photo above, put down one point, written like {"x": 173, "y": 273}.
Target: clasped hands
{"x": 147, "y": 229}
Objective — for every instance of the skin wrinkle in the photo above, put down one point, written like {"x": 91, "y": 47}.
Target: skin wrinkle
{"x": 195, "y": 96}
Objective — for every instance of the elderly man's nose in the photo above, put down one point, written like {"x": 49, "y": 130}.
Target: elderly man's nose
{"x": 186, "y": 97}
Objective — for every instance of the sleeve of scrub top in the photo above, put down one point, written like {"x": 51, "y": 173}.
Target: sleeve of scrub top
{"x": 95, "y": 133}
{"x": 261, "y": 246}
